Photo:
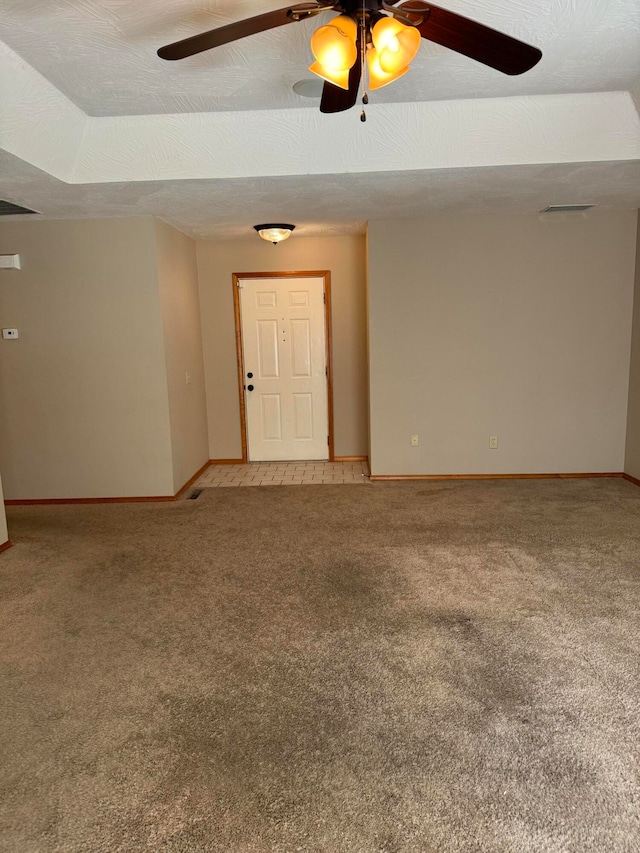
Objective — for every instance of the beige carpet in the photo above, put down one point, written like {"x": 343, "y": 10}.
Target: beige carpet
{"x": 404, "y": 667}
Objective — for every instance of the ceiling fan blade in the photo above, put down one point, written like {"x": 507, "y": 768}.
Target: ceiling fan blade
{"x": 232, "y": 32}
{"x": 334, "y": 99}
{"x": 499, "y": 51}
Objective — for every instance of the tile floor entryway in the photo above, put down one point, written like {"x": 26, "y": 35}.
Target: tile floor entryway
{"x": 283, "y": 474}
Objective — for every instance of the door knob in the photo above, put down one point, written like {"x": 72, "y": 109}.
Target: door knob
{"x": 249, "y": 387}
{"x": 249, "y": 375}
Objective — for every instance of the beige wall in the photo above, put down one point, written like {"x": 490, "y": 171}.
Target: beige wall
{"x": 83, "y": 392}
{"x": 632, "y": 456}
{"x": 345, "y": 258}
{"x": 515, "y": 326}
{"x": 178, "y": 281}
{"x": 4, "y": 534}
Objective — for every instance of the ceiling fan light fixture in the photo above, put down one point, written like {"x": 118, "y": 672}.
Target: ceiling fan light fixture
{"x": 338, "y": 78}
{"x": 396, "y": 44}
{"x": 378, "y": 77}
{"x": 334, "y": 45}
{"x": 346, "y": 25}
{"x": 274, "y": 232}
{"x": 398, "y": 32}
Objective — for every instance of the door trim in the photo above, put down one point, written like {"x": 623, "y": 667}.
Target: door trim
{"x": 324, "y": 274}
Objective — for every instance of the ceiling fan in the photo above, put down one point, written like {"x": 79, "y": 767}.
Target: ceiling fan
{"x": 382, "y": 36}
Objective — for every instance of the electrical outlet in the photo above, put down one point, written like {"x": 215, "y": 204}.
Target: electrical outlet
{"x": 493, "y": 442}
{"x": 414, "y": 440}
{"x": 187, "y": 378}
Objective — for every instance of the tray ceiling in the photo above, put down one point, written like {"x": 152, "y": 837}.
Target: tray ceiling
{"x": 102, "y": 53}
{"x": 92, "y": 123}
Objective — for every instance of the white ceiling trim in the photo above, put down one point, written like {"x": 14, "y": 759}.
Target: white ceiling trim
{"x": 396, "y": 137}
{"x": 43, "y": 127}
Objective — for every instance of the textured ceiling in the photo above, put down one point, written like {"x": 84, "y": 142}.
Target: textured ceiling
{"x": 513, "y": 149}
{"x": 326, "y": 204}
{"x": 102, "y": 53}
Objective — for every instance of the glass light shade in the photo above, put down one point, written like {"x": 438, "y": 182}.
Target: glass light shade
{"x": 396, "y": 44}
{"x": 338, "y": 78}
{"x": 346, "y": 25}
{"x": 334, "y": 47}
{"x": 274, "y": 232}
{"x": 378, "y": 77}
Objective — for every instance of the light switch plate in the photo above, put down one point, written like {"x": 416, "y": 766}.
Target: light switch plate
{"x": 10, "y": 334}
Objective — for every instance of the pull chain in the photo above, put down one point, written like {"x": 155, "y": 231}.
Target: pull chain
{"x": 363, "y": 62}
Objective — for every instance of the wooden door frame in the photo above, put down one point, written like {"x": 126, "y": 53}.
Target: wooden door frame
{"x": 324, "y": 274}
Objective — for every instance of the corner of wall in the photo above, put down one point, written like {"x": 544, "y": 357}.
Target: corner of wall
{"x": 4, "y": 533}
{"x": 635, "y": 97}
{"x": 177, "y": 271}
{"x": 632, "y": 446}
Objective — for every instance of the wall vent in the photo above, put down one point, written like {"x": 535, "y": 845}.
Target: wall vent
{"x": 9, "y": 209}
{"x": 567, "y": 208}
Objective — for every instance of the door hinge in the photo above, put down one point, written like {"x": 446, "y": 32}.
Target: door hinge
{"x": 326, "y": 371}
{"x": 324, "y": 297}
{"x": 328, "y": 442}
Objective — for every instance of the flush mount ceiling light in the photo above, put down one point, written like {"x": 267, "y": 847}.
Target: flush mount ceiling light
{"x": 274, "y": 232}
{"x": 370, "y": 43}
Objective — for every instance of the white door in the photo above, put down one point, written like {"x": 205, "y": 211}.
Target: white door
{"x": 284, "y": 351}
